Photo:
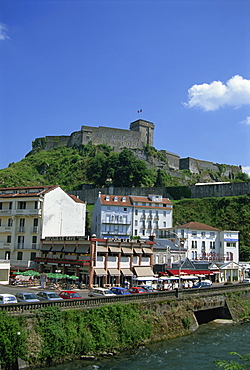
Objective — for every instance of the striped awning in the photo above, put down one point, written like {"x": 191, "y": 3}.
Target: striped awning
{"x": 127, "y": 272}
{"x": 69, "y": 248}
{"x": 46, "y": 247}
{"x": 102, "y": 249}
{"x": 127, "y": 251}
{"x": 100, "y": 272}
{"x": 82, "y": 249}
{"x": 137, "y": 250}
{"x": 114, "y": 249}
{"x": 147, "y": 251}
{"x": 143, "y": 271}
{"x": 114, "y": 272}
{"x": 57, "y": 248}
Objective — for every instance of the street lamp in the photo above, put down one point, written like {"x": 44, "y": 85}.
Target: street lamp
{"x": 179, "y": 246}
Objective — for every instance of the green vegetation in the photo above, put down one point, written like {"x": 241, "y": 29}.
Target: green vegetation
{"x": 12, "y": 339}
{"x": 243, "y": 364}
{"x": 98, "y": 165}
{"x": 227, "y": 213}
{"x": 69, "y": 334}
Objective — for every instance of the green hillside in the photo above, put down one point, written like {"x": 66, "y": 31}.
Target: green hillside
{"x": 227, "y": 213}
{"x": 98, "y": 165}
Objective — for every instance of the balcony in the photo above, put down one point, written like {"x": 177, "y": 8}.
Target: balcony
{"x": 26, "y": 212}
{"x": 116, "y": 222}
{"x": 34, "y": 230}
{"x": 4, "y": 245}
{"x": 21, "y": 229}
{"x": 5, "y": 229}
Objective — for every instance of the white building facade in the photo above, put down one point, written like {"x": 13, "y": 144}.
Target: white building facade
{"x": 125, "y": 216}
{"x": 204, "y": 242}
{"x": 29, "y": 214}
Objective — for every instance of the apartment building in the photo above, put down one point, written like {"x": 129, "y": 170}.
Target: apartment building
{"x": 29, "y": 214}
{"x": 204, "y": 242}
{"x": 125, "y": 216}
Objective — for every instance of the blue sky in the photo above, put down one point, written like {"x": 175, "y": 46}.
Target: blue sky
{"x": 186, "y": 64}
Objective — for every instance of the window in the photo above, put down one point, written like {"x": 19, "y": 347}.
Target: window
{"x": 164, "y": 258}
{"x": 35, "y": 222}
{"x": 203, "y": 234}
{"x": 10, "y": 205}
{"x": 20, "y": 242}
{"x": 0, "y": 222}
{"x": 32, "y": 256}
{"x": 21, "y": 225}
{"x": 19, "y": 256}
{"x": 164, "y": 213}
{"x": 135, "y": 232}
{"x": 194, "y": 233}
{"x": 125, "y": 209}
{"x": 150, "y": 224}
{"x": 164, "y": 224}
{"x": 21, "y": 205}
{"x": 116, "y": 199}
{"x": 136, "y": 223}
{"x": 7, "y": 255}
{"x": 1, "y": 205}
{"x": 203, "y": 245}
{"x": 10, "y": 222}
{"x": 212, "y": 245}
{"x": 34, "y": 239}
{"x": 8, "y": 238}
{"x": 194, "y": 244}
{"x": 36, "y": 204}
{"x": 136, "y": 212}
{"x": 157, "y": 259}
{"x": 212, "y": 234}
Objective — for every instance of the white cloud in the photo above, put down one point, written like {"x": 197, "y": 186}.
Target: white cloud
{"x": 246, "y": 121}
{"x": 3, "y": 32}
{"x": 235, "y": 92}
{"x": 246, "y": 170}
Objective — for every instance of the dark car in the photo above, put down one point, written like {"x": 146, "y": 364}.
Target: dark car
{"x": 119, "y": 290}
{"x": 137, "y": 289}
{"x": 48, "y": 296}
{"x": 69, "y": 294}
{"x": 149, "y": 288}
{"x": 26, "y": 297}
{"x": 202, "y": 284}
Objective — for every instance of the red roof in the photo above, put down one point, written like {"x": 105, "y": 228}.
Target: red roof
{"x": 197, "y": 226}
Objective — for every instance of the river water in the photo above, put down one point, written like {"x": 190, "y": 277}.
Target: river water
{"x": 209, "y": 343}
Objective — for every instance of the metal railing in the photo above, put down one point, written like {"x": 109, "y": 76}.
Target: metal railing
{"x": 86, "y": 303}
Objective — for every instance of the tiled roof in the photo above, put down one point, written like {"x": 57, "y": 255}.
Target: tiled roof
{"x": 117, "y": 200}
{"x": 76, "y": 199}
{"x": 197, "y": 226}
{"x": 147, "y": 200}
{"x": 24, "y": 192}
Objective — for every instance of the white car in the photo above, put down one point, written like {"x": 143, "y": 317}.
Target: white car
{"x": 101, "y": 292}
{"x": 7, "y": 298}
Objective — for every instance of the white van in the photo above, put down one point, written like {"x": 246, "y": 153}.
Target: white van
{"x": 7, "y": 298}
{"x": 101, "y": 292}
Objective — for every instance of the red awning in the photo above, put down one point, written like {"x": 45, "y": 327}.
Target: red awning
{"x": 191, "y": 272}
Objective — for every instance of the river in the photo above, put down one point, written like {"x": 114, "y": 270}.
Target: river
{"x": 209, "y": 343}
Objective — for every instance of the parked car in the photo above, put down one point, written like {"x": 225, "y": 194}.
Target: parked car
{"x": 149, "y": 288}
{"x": 246, "y": 281}
{"x": 119, "y": 290}
{"x": 100, "y": 292}
{"x": 7, "y": 298}
{"x": 202, "y": 284}
{"x": 26, "y": 297}
{"x": 48, "y": 296}
{"x": 137, "y": 289}
{"x": 69, "y": 294}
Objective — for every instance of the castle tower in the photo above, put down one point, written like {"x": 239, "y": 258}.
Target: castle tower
{"x": 146, "y": 129}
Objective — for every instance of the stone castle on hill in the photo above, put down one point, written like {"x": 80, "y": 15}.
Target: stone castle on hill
{"x": 140, "y": 134}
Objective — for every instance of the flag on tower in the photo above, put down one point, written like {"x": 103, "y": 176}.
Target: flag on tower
{"x": 139, "y": 111}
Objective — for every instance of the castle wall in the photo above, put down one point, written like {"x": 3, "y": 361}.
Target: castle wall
{"x": 114, "y": 137}
{"x": 89, "y": 194}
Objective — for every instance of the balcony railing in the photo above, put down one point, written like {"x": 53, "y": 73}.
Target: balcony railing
{"x": 26, "y": 212}
{"x": 116, "y": 222}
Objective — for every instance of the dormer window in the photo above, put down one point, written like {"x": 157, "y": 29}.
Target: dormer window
{"x": 107, "y": 198}
{"x": 124, "y": 199}
{"x": 116, "y": 199}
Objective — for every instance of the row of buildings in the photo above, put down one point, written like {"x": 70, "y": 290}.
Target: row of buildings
{"x": 131, "y": 238}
